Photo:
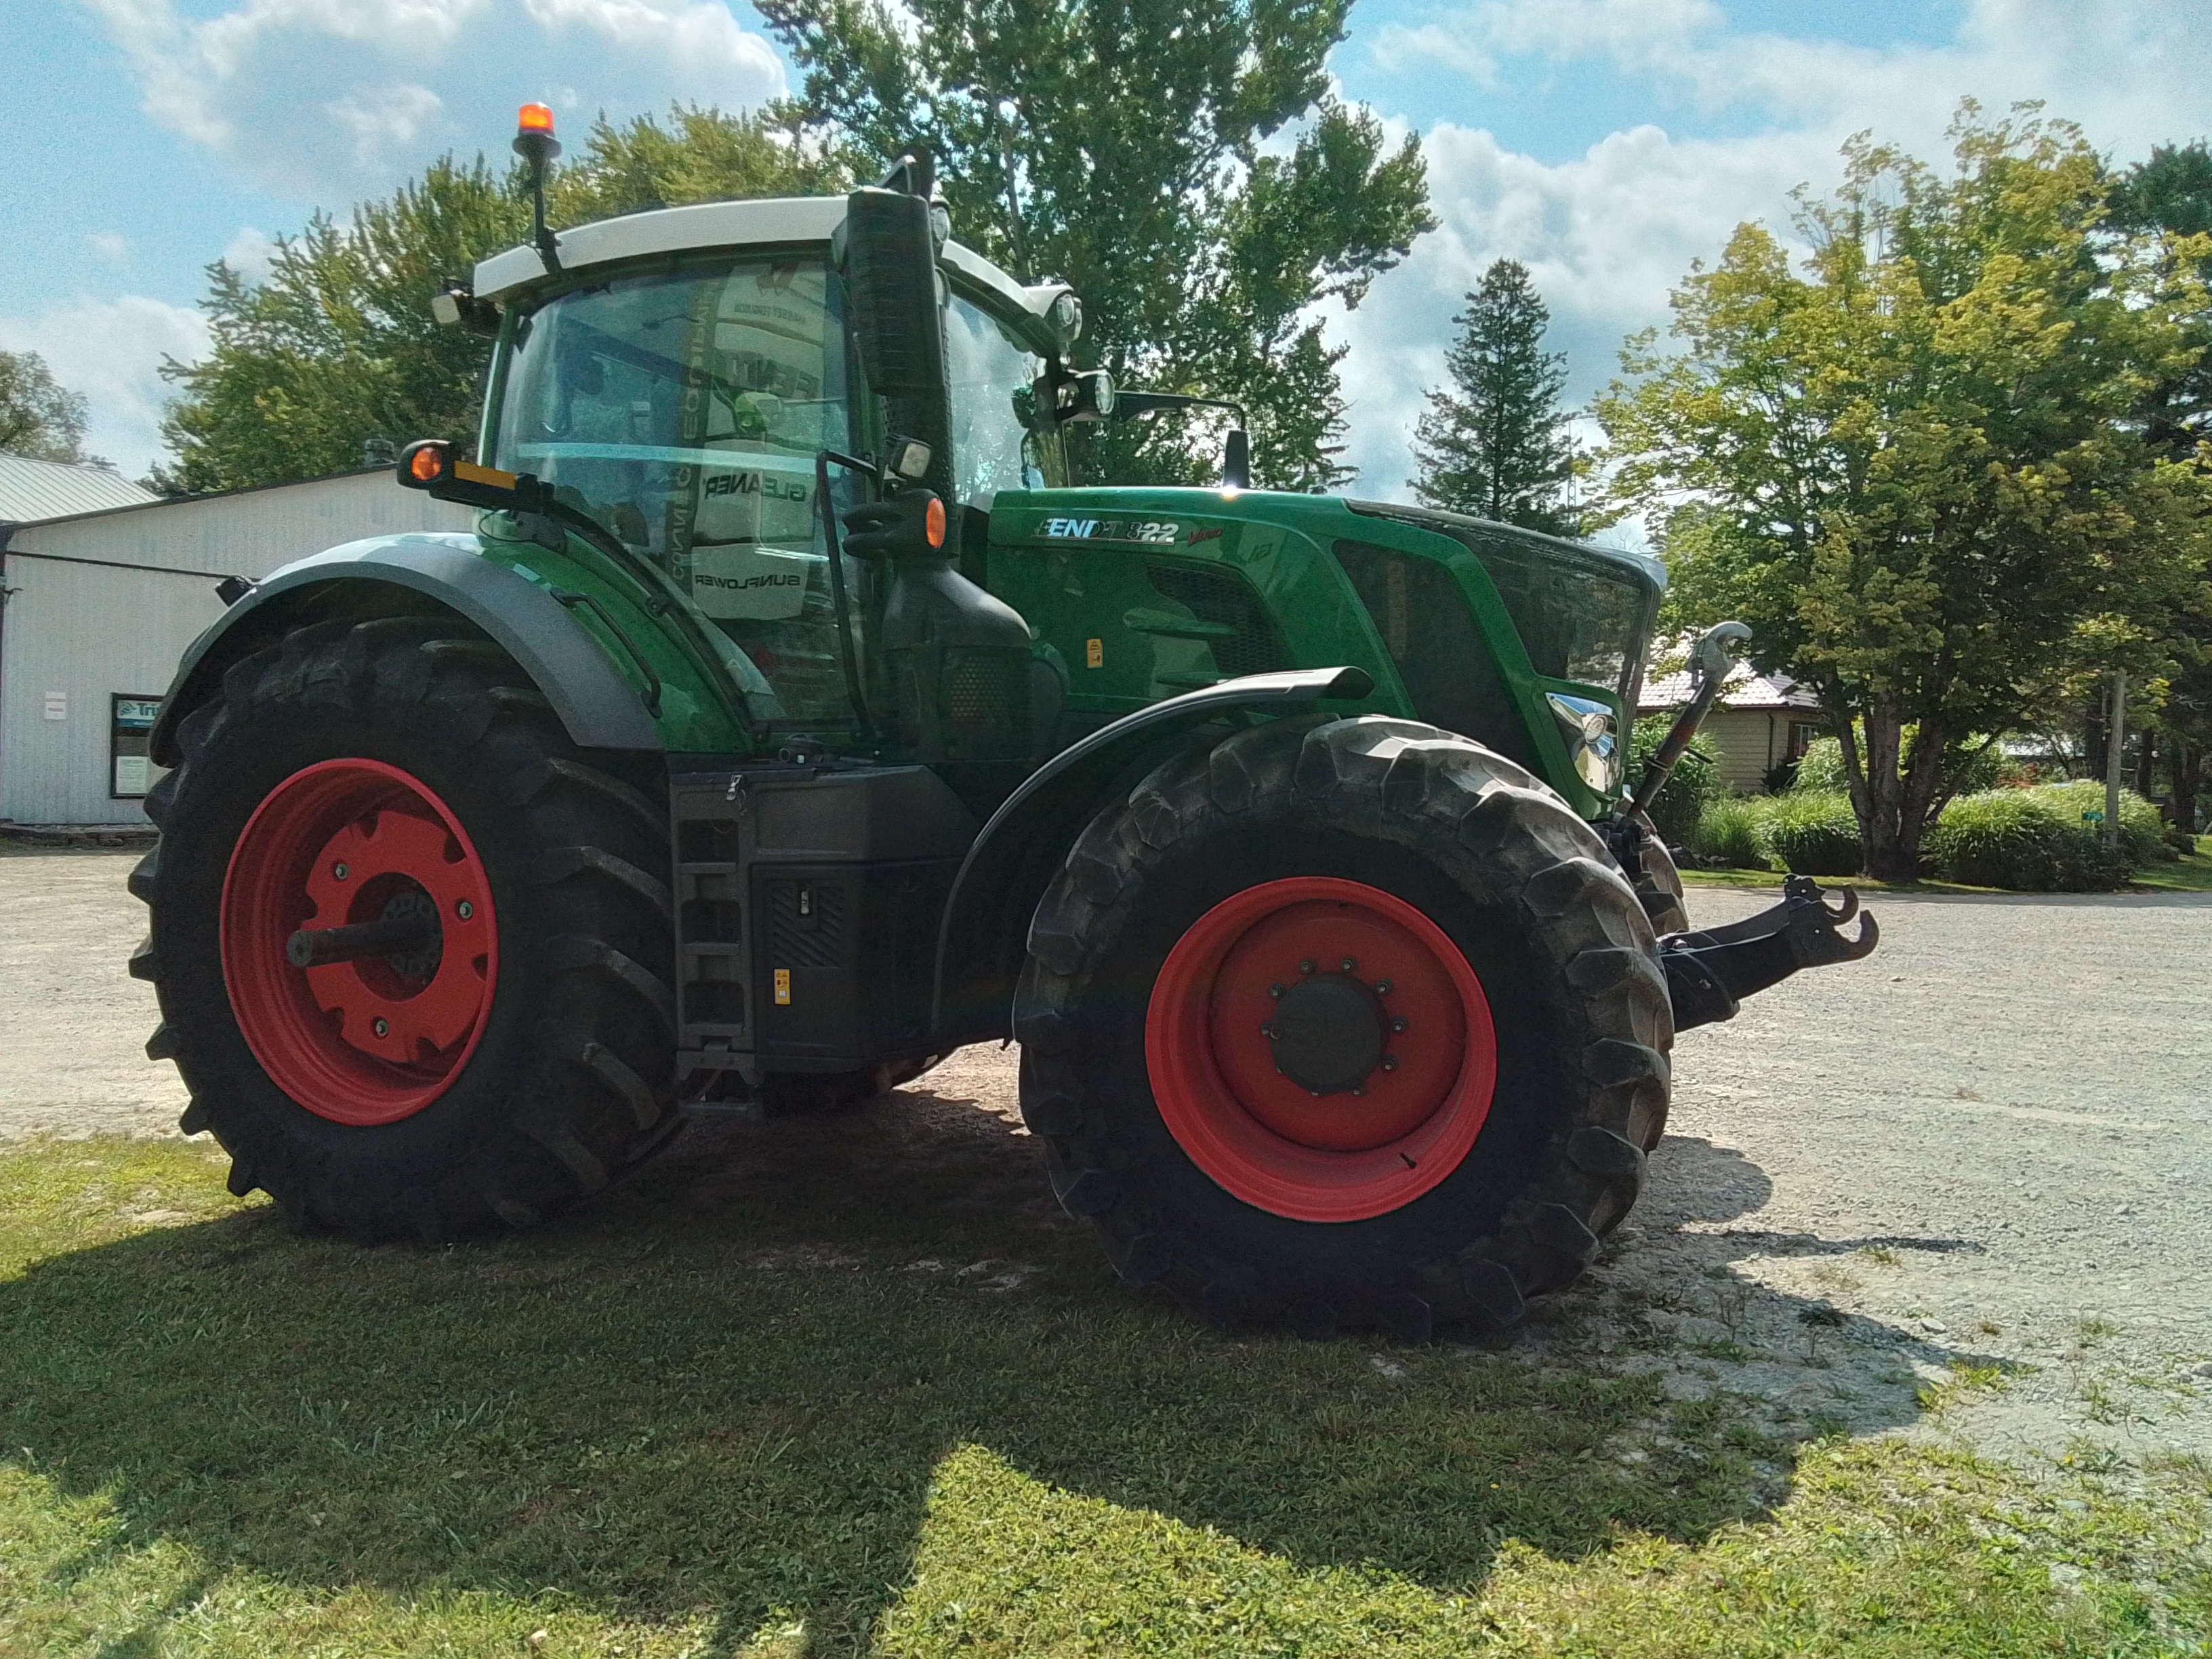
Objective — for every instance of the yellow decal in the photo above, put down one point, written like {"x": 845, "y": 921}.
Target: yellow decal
{"x": 1094, "y": 653}
{"x": 783, "y": 987}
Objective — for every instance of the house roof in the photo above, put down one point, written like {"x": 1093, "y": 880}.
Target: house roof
{"x": 31, "y": 490}
{"x": 1744, "y": 688}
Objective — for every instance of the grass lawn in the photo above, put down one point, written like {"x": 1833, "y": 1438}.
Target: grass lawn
{"x": 845, "y": 1387}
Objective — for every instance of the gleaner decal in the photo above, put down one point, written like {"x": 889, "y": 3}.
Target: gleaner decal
{"x": 755, "y": 483}
{"x": 1110, "y": 530}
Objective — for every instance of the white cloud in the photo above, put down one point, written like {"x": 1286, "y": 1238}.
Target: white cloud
{"x": 110, "y": 245}
{"x": 1608, "y": 234}
{"x": 111, "y": 352}
{"x": 250, "y": 254}
{"x": 327, "y": 100}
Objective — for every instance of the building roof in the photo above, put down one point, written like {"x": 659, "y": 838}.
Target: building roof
{"x": 1744, "y": 688}
{"x": 31, "y": 490}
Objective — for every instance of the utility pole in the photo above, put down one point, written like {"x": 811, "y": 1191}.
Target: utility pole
{"x": 2115, "y": 731}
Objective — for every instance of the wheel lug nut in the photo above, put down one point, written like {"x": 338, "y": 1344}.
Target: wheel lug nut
{"x": 1389, "y": 1062}
{"x": 1399, "y": 1023}
{"x": 1269, "y": 1032}
{"x": 1383, "y": 987}
{"x": 1275, "y": 991}
{"x": 1350, "y": 966}
{"x": 1306, "y": 967}
{"x": 338, "y": 872}
{"x": 464, "y": 910}
{"x": 381, "y": 1027}
{"x": 1359, "y": 1092}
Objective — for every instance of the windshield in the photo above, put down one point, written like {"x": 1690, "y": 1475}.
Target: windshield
{"x": 992, "y": 374}
{"x": 683, "y": 410}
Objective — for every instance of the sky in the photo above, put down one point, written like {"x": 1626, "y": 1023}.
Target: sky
{"x": 1607, "y": 144}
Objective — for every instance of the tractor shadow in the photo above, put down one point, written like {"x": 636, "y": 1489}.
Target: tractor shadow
{"x": 724, "y": 1390}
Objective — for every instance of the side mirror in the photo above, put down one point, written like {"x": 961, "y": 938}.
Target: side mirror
{"x": 454, "y": 306}
{"x": 890, "y": 278}
{"x": 911, "y": 524}
{"x": 1236, "y": 460}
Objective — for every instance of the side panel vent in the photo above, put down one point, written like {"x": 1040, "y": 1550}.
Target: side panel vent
{"x": 1226, "y": 600}
{"x": 806, "y": 922}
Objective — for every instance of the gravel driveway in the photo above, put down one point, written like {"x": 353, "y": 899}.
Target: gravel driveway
{"x": 1988, "y": 1146}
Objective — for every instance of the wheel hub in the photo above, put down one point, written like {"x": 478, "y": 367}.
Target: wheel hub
{"x": 1327, "y": 1033}
{"x": 359, "y": 945}
{"x": 1321, "y": 1049}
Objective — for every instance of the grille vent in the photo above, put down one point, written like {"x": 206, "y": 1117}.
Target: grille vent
{"x": 1223, "y": 597}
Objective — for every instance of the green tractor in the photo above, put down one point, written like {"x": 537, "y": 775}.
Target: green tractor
{"x": 793, "y": 717}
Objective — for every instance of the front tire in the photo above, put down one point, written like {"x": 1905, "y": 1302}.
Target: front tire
{"x": 1407, "y": 894}
{"x": 497, "y": 1073}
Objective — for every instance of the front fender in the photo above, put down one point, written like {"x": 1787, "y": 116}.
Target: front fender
{"x": 593, "y": 699}
{"x": 984, "y": 931}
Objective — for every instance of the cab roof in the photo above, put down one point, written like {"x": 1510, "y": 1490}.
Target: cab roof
{"x": 771, "y": 222}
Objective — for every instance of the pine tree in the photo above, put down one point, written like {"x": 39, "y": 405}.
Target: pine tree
{"x": 1496, "y": 445}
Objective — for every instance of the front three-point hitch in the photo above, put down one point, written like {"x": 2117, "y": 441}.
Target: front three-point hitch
{"x": 1710, "y": 971}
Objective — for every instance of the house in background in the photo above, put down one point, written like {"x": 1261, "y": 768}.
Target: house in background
{"x": 1760, "y": 721}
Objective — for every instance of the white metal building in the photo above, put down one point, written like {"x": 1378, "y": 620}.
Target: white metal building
{"x": 96, "y": 607}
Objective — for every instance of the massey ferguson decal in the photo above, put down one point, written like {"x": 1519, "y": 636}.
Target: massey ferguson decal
{"x": 1157, "y": 532}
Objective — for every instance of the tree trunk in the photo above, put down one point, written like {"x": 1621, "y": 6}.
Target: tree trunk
{"x": 1893, "y": 793}
{"x": 2094, "y": 737}
{"x": 2185, "y": 762}
{"x": 2147, "y": 763}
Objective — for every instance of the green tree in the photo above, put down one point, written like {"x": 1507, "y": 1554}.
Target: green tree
{"x": 1122, "y": 146}
{"x": 334, "y": 357}
{"x": 39, "y": 417}
{"x": 1495, "y": 443}
{"x": 2170, "y": 195}
{"x": 1911, "y": 460}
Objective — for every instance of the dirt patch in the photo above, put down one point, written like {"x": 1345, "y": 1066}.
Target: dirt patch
{"x": 1958, "y": 1187}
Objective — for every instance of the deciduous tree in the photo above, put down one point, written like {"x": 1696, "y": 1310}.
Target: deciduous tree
{"x": 1911, "y": 458}
{"x": 1182, "y": 163}
{"x": 334, "y": 358}
{"x": 39, "y": 417}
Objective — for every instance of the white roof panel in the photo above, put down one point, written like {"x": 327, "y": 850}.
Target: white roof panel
{"x": 31, "y": 490}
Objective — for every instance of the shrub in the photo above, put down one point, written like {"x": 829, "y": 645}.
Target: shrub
{"x": 1813, "y": 832}
{"x": 2027, "y": 840}
{"x": 1821, "y": 768}
{"x": 1675, "y": 814}
{"x": 1728, "y": 833}
{"x": 2142, "y": 832}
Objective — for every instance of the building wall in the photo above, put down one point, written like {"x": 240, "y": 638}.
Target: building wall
{"x": 77, "y": 625}
{"x": 1750, "y": 742}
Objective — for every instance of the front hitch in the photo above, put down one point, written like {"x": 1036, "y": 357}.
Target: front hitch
{"x": 1710, "y": 971}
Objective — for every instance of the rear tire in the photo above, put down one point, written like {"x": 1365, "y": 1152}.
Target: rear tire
{"x": 1521, "y": 892}
{"x": 561, "y": 1080}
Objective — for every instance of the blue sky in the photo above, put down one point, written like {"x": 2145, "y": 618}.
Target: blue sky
{"x": 1604, "y": 143}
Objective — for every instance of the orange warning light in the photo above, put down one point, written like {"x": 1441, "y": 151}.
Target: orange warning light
{"x": 426, "y": 463}
{"x": 932, "y": 523}
{"x": 534, "y": 118}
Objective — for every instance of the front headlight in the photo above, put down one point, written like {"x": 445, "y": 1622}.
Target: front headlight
{"x": 1587, "y": 726}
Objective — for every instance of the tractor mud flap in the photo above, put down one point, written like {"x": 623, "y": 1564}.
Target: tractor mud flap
{"x": 1708, "y": 972}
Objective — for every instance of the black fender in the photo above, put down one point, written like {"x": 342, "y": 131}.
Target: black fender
{"x": 984, "y": 933}
{"x": 600, "y": 708}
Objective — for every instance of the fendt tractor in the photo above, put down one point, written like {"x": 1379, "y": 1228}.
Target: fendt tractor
{"x": 793, "y": 717}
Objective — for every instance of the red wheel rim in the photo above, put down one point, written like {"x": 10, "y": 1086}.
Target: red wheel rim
{"x": 338, "y": 842}
{"x": 1338, "y": 1156}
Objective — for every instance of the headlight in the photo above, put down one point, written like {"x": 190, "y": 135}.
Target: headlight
{"x": 1587, "y": 726}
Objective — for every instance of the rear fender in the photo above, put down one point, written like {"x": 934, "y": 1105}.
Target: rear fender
{"x": 984, "y": 935}
{"x": 600, "y": 706}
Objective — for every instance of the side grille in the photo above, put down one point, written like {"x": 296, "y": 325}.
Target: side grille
{"x": 1224, "y": 598}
